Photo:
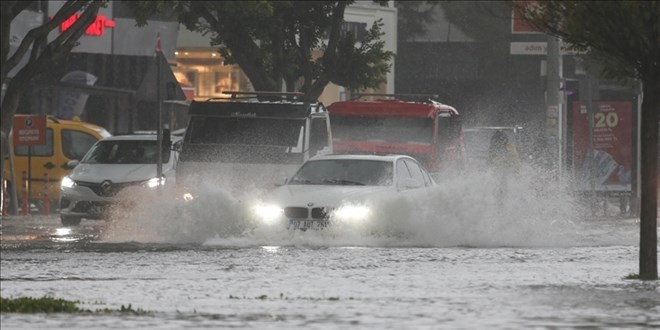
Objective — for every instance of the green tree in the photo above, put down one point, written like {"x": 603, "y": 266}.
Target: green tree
{"x": 274, "y": 41}
{"x": 625, "y": 37}
{"x": 40, "y": 52}
{"x": 413, "y": 18}
{"x": 36, "y": 51}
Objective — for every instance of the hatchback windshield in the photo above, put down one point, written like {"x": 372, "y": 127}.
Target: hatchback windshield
{"x": 345, "y": 172}
{"x": 245, "y": 131}
{"x": 125, "y": 152}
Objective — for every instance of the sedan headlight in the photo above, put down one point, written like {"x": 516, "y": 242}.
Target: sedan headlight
{"x": 268, "y": 213}
{"x": 155, "y": 182}
{"x": 67, "y": 182}
{"x": 352, "y": 213}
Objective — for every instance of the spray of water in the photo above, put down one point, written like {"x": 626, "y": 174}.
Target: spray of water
{"x": 474, "y": 209}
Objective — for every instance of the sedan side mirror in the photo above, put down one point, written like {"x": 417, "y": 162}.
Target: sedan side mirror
{"x": 409, "y": 183}
{"x": 283, "y": 183}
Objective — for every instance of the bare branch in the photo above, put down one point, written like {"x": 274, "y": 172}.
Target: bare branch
{"x": 69, "y": 8}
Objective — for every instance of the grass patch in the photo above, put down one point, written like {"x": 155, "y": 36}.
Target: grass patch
{"x": 37, "y": 305}
{"x": 49, "y": 304}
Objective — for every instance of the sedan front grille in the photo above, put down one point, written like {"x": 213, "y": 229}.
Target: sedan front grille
{"x": 321, "y": 213}
{"x": 106, "y": 188}
{"x": 296, "y": 212}
{"x": 317, "y": 213}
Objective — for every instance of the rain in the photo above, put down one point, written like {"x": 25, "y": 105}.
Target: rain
{"x": 476, "y": 247}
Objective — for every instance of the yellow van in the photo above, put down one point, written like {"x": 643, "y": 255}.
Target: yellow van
{"x": 65, "y": 140}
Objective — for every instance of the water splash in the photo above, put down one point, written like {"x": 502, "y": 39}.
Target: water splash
{"x": 466, "y": 210}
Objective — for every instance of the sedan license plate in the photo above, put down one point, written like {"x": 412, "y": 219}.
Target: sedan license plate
{"x": 307, "y": 224}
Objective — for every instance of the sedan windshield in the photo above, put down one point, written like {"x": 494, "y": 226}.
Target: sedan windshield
{"x": 344, "y": 172}
{"x": 125, "y": 152}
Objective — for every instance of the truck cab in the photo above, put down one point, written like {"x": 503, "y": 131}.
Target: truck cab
{"x": 427, "y": 130}
{"x": 252, "y": 140}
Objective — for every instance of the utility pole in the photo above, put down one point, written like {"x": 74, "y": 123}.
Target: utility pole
{"x": 159, "y": 122}
{"x": 554, "y": 109}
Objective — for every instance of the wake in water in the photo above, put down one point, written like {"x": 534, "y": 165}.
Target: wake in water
{"x": 466, "y": 210}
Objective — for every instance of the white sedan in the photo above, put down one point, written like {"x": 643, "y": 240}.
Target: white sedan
{"x": 336, "y": 188}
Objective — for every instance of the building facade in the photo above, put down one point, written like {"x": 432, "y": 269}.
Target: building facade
{"x": 480, "y": 57}
{"x": 108, "y": 77}
{"x": 203, "y": 74}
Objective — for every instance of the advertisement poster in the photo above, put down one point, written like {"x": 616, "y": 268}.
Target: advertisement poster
{"x": 610, "y": 163}
{"x": 72, "y": 102}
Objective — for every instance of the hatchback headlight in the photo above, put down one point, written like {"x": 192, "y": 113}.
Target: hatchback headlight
{"x": 67, "y": 182}
{"x": 155, "y": 182}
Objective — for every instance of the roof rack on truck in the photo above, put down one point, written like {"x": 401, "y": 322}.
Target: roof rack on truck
{"x": 399, "y": 96}
{"x": 271, "y": 95}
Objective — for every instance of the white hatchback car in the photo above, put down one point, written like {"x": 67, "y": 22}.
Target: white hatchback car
{"x": 110, "y": 166}
{"x": 331, "y": 188}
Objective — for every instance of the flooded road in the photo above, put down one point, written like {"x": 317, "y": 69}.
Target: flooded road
{"x": 530, "y": 261}
{"x": 218, "y": 284}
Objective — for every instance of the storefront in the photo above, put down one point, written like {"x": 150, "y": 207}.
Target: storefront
{"x": 109, "y": 77}
{"x": 202, "y": 73}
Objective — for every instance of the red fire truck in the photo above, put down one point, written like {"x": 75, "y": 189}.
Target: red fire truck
{"x": 428, "y": 130}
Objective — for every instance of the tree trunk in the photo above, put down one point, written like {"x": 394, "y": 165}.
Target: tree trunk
{"x": 9, "y": 106}
{"x": 648, "y": 238}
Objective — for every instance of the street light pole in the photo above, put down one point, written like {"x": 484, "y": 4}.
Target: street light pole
{"x": 159, "y": 122}
{"x": 554, "y": 109}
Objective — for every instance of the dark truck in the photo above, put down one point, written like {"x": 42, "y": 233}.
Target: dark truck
{"x": 252, "y": 140}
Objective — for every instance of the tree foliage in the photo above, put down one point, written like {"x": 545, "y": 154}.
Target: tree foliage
{"x": 625, "y": 36}
{"x": 40, "y": 52}
{"x": 274, "y": 42}
{"x": 414, "y": 18}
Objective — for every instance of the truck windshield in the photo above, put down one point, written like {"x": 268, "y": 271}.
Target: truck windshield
{"x": 392, "y": 129}
{"x": 245, "y": 131}
{"x": 244, "y": 140}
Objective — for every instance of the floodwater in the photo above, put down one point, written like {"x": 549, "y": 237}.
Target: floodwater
{"x": 457, "y": 257}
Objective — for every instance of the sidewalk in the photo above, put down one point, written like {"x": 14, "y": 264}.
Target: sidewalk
{"x": 30, "y": 219}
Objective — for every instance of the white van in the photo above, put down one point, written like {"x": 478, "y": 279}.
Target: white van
{"x": 97, "y": 183}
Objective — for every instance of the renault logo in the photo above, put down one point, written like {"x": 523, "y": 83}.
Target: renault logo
{"x": 106, "y": 186}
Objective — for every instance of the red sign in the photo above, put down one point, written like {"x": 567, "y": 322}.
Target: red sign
{"x": 97, "y": 28}
{"x": 29, "y": 130}
{"x": 610, "y": 163}
{"x": 518, "y": 24}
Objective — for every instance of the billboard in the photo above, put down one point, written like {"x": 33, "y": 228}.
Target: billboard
{"x": 608, "y": 159}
